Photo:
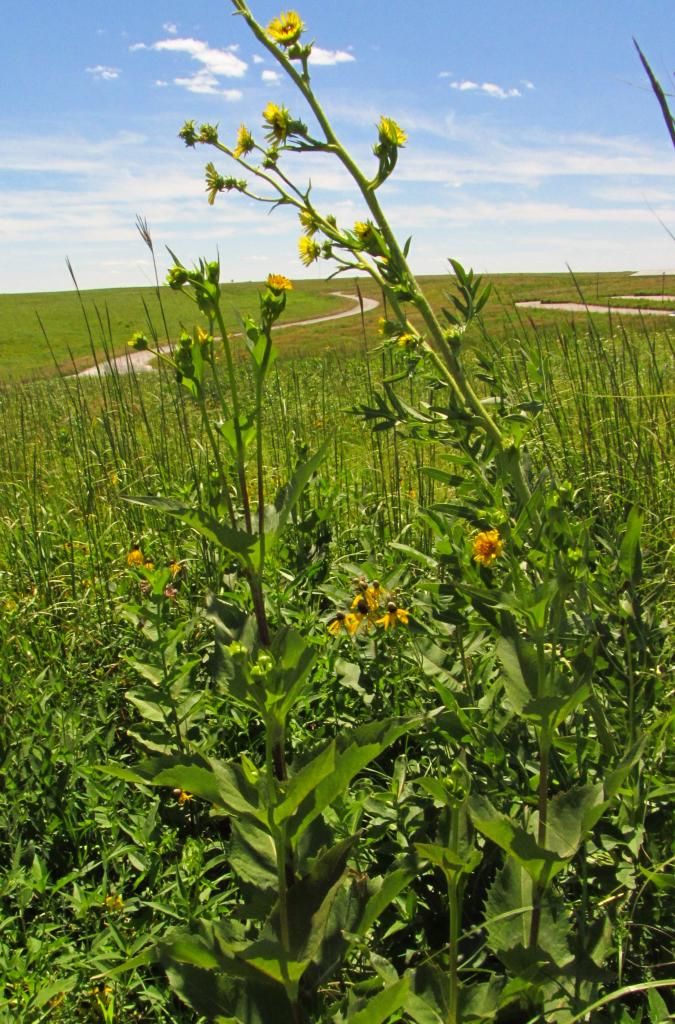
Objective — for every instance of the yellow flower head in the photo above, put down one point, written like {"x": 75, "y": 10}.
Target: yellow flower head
{"x": 135, "y": 556}
{"x": 308, "y": 221}
{"x": 394, "y": 615}
{"x": 175, "y": 568}
{"x": 279, "y": 283}
{"x": 487, "y": 547}
{"x": 369, "y": 598}
{"x": 308, "y": 249}
{"x": 286, "y": 29}
{"x": 244, "y": 142}
{"x": 182, "y": 797}
{"x": 115, "y": 904}
{"x": 406, "y": 340}
{"x": 148, "y": 565}
{"x": 390, "y": 132}
{"x": 346, "y": 621}
{"x": 278, "y": 119}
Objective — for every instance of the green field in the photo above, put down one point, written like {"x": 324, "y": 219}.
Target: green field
{"x": 47, "y": 333}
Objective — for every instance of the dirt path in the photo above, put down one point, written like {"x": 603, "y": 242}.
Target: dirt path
{"x": 142, "y": 362}
{"x": 581, "y": 307}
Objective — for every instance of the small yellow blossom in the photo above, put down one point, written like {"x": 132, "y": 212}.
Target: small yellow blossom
{"x": 487, "y": 547}
{"x": 346, "y": 621}
{"x": 148, "y": 565}
{"x": 175, "y": 568}
{"x": 245, "y": 142}
{"x": 308, "y": 222}
{"x": 369, "y": 598}
{"x": 115, "y": 904}
{"x": 286, "y": 29}
{"x": 279, "y": 283}
{"x": 135, "y": 556}
{"x": 182, "y": 796}
{"x": 390, "y": 132}
{"x": 309, "y": 250}
{"x": 393, "y": 616}
{"x": 279, "y": 121}
{"x": 406, "y": 340}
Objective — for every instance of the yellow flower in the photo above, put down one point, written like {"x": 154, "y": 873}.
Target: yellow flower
{"x": 175, "y": 568}
{"x": 115, "y": 904}
{"x": 244, "y": 142}
{"x": 182, "y": 797}
{"x": 390, "y": 132}
{"x": 279, "y": 121}
{"x": 346, "y": 621}
{"x": 406, "y": 340}
{"x": 147, "y": 564}
{"x": 135, "y": 556}
{"x": 369, "y": 598}
{"x": 308, "y": 221}
{"x": 393, "y": 616}
{"x": 286, "y": 29}
{"x": 279, "y": 283}
{"x": 487, "y": 547}
{"x": 309, "y": 250}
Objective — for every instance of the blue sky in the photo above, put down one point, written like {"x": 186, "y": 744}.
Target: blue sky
{"x": 534, "y": 140}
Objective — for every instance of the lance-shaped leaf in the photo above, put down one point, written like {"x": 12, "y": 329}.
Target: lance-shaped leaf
{"x": 327, "y": 775}
{"x": 630, "y": 558}
{"x": 222, "y": 783}
{"x": 389, "y": 888}
{"x": 539, "y": 862}
{"x": 383, "y": 1005}
{"x": 238, "y": 542}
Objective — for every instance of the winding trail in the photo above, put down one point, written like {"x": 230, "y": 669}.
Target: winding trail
{"x": 142, "y": 362}
{"x": 587, "y": 307}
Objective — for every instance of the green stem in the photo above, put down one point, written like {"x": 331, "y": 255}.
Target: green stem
{"x": 539, "y": 888}
{"x": 239, "y": 442}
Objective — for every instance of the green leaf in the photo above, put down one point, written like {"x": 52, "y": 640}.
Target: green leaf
{"x": 452, "y": 864}
{"x": 508, "y": 912}
{"x": 247, "y": 431}
{"x": 540, "y": 863}
{"x": 221, "y": 783}
{"x": 328, "y": 775}
{"x": 520, "y": 672}
{"x": 428, "y": 1000}
{"x": 630, "y": 558}
{"x": 380, "y": 1007}
{"x": 252, "y": 857}
{"x": 571, "y": 816}
{"x": 392, "y": 884}
{"x": 238, "y": 542}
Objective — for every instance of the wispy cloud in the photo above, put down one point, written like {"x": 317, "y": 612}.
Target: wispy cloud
{"x": 169, "y": 27}
{"x": 271, "y": 77}
{"x": 102, "y": 73}
{"x": 327, "y": 58}
{"x": 489, "y": 88}
{"x": 223, "y": 63}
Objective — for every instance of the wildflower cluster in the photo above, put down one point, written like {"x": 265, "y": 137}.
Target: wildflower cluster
{"x": 372, "y": 606}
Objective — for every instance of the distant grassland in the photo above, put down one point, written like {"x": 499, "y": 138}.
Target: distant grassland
{"x": 42, "y": 334}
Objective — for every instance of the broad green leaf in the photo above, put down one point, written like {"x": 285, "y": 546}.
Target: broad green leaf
{"x": 571, "y": 816}
{"x": 221, "y": 783}
{"x": 428, "y": 999}
{"x": 290, "y": 494}
{"x": 508, "y": 912}
{"x": 380, "y": 1007}
{"x": 540, "y": 863}
{"x": 328, "y": 775}
{"x": 247, "y": 430}
{"x": 520, "y": 672}
{"x": 252, "y": 857}
{"x": 238, "y": 542}
{"x": 392, "y": 884}
{"x": 317, "y": 916}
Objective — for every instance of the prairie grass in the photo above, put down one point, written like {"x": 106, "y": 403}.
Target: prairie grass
{"x": 92, "y": 871}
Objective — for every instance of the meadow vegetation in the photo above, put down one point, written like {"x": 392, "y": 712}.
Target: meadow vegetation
{"x": 338, "y": 687}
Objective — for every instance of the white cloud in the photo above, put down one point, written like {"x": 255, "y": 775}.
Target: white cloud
{"x": 101, "y": 73}
{"x": 169, "y": 27}
{"x": 206, "y": 84}
{"x": 526, "y": 83}
{"x": 489, "y": 88}
{"x": 137, "y": 46}
{"x": 257, "y": 59}
{"x": 327, "y": 58}
{"x": 160, "y": 83}
{"x": 273, "y": 77}
{"x": 216, "y": 62}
